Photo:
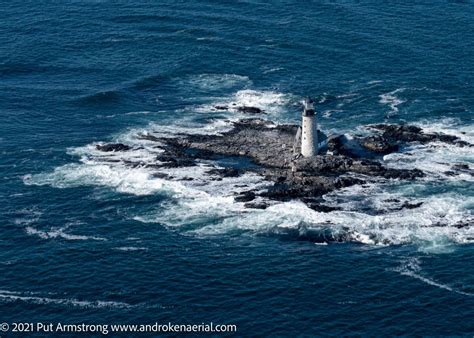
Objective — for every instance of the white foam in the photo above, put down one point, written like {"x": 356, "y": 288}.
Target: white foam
{"x": 131, "y": 248}
{"x": 59, "y": 233}
{"x": 218, "y": 81}
{"x": 145, "y": 112}
{"x": 392, "y": 100}
{"x": 9, "y": 296}
{"x": 411, "y": 267}
{"x": 137, "y": 181}
{"x": 437, "y": 158}
{"x": 272, "y": 70}
{"x": 212, "y": 127}
{"x": 30, "y": 216}
{"x": 270, "y": 101}
{"x": 448, "y": 126}
{"x": 267, "y": 100}
{"x": 209, "y": 38}
{"x": 432, "y": 223}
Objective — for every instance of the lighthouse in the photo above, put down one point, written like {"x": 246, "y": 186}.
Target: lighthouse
{"x": 309, "y": 133}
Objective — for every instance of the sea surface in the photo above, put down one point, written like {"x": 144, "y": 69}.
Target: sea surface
{"x": 86, "y": 238}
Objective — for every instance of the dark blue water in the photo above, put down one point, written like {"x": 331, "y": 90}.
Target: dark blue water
{"x": 87, "y": 239}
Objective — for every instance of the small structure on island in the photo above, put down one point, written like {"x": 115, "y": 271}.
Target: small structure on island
{"x": 309, "y": 132}
{"x": 310, "y": 138}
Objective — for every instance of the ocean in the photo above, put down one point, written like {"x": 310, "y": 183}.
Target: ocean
{"x": 86, "y": 238}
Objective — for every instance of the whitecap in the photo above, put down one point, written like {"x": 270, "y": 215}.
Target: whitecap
{"x": 59, "y": 233}
{"x": 392, "y": 100}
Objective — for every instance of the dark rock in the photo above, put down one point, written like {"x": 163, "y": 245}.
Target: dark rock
{"x": 408, "y": 133}
{"x": 407, "y": 205}
{"x": 458, "y": 225}
{"x": 270, "y": 149}
{"x": 170, "y": 161}
{"x": 256, "y": 205}
{"x": 464, "y": 224}
{"x": 161, "y": 175}
{"x": 250, "y": 110}
{"x": 245, "y": 197}
{"x": 224, "y": 172}
{"x": 404, "y": 174}
{"x": 285, "y": 193}
{"x": 322, "y": 208}
{"x": 340, "y": 145}
{"x": 379, "y": 145}
{"x": 460, "y": 166}
{"x": 221, "y": 107}
{"x": 112, "y": 147}
{"x": 148, "y": 137}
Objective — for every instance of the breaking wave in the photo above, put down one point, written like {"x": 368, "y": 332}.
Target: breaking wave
{"x": 272, "y": 103}
{"x": 437, "y": 159}
{"x": 392, "y": 100}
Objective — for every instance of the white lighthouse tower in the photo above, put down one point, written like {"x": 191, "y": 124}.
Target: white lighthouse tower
{"x": 309, "y": 135}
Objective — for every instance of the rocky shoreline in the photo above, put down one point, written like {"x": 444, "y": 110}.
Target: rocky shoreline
{"x": 269, "y": 147}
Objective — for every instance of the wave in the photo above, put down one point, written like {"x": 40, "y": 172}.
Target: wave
{"x": 101, "y": 97}
{"x": 140, "y": 18}
{"x": 411, "y": 268}
{"x": 11, "y": 296}
{"x": 392, "y": 100}
{"x": 213, "y": 82}
{"x": 131, "y": 248}
{"x": 272, "y": 103}
{"x": 272, "y": 70}
{"x": 59, "y": 233}
{"x": 149, "y": 81}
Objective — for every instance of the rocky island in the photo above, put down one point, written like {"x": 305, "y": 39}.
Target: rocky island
{"x": 344, "y": 161}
